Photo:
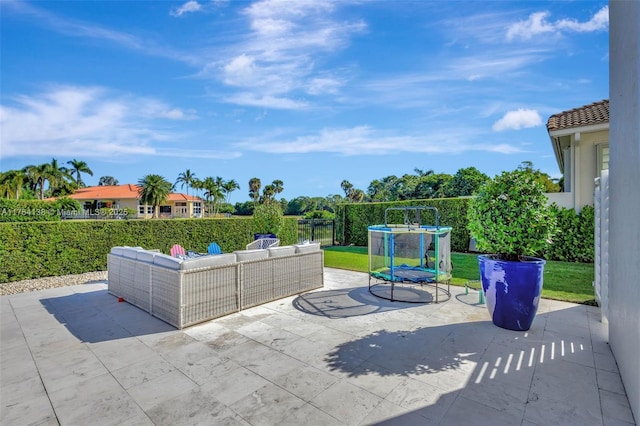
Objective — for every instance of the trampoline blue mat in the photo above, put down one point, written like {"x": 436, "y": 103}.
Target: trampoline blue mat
{"x": 401, "y": 273}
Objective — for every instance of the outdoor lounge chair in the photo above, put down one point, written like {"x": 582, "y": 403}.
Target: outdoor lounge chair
{"x": 177, "y": 250}
{"x": 263, "y": 243}
{"x": 214, "y": 248}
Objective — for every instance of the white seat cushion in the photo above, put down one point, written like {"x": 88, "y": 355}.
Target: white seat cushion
{"x": 307, "y": 248}
{"x": 281, "y": 251}
{"x": 244, "y": 255}
{"x": 208, "y": 261}
{"x": 167, "y": 261}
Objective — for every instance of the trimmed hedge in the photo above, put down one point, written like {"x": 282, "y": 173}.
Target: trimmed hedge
{"x": 41, "y": 249}
{"x": 575, "y": 239}
{"x": 573, "y": 242}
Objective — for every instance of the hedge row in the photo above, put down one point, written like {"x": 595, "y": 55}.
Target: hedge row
{"x": 574, "y": 241}
{"x": 40, "y": 249}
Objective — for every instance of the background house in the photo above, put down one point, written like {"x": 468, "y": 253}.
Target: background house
{"x": 118, "y": 197}
{"x": 580, "y": 140}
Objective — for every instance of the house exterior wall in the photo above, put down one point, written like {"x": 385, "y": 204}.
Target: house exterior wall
{"x": 624, "y": 176}
{"x": 581, "y": 162}
{"x": 586, "y": 166}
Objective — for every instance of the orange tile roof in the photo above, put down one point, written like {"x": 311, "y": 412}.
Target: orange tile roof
{"x": 121, "y": 192}
{"x": 586, "y": 115}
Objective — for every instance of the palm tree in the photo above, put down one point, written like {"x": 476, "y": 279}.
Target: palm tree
{"x": 77, "y": 167}
{"x": 278, "y": 186}
{"x": 347, "y": 187}
{"x": 108, "y": 181}
{"x": 268, "y": 193}
{"x": 59, "y": 178}
{"x": 186, "y": 178}
{"x": 228, "y": 187}
{"x": 36, "y": 177}
{"x": 11, "y": 183}
{"x": 254, "y": 189}
{"x": 357, "y": 196}
{"x": 422, "y": 173}
{"x": 154, "y": 190}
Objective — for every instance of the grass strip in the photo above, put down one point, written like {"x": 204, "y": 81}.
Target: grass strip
{"x": 566, "y": 281}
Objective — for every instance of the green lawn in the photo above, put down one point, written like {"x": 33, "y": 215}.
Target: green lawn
{"x": 566, "y": 281}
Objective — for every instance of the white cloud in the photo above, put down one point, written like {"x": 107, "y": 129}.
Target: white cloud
{"x": 365, "y": 140}
{"x": 538, "y": 23}
{"x": 279, "y": 55}
{"x": 518, "y": 119}
{"x": 322, "y": 85}
{"x": 266, "y": 101}
{"x": 90, "y": 122}
{"x": 599, "y": 21}
{"x": 188, "y": 7}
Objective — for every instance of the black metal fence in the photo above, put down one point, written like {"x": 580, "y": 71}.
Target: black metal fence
{"x": 322, "y": 230}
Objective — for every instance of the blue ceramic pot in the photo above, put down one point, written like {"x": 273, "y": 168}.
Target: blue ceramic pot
{"x": 512, "y": 290}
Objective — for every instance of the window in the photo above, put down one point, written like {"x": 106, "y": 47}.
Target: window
{"x": 197, "y": 209}
{"x": 603, "y": 157}
{"x": 141, "y": 209}
{"x": 165, "y": 209}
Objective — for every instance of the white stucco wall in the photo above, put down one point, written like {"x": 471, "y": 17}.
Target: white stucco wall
{"x": 586, "y": 170}
{"x": 624, "y": 175}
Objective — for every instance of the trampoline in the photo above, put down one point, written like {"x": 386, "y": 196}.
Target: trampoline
{"x": 410, "y": 262}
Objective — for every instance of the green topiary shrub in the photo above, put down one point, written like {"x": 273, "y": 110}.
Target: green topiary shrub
{"x": 268, "y": 218}
{"x": 510, "y": 216}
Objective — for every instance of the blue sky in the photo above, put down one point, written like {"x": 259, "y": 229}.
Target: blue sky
{"x": 308, "y": 92}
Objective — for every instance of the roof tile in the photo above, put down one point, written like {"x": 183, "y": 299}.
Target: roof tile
{"x": 586, "y": 115}
{"x": 120, "y": 192}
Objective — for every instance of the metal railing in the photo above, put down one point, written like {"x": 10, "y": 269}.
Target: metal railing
{"x": 321, "y": 230}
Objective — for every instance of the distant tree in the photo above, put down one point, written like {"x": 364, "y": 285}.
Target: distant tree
{"x": 465, "y": 182}
{"x": 357, "y": 196}
{"x": 12, "y": 183}
{"x": 197, "y": 185}
{"x": 347, "y": 187}
{"x": 254, "y": 189}
{"x": 60, "y": 179}
{"x": 244, "y": 209}
{"x": 431, "y": 186}
{"x": 544, "y": 179}
{"x": 78, "y": 167}
{"x": 278, "y": 186}
{"x": 422, "y": 173}
{"x": 108, "y": 181}
{"x": 228, "y": 187}
{"x": 380, "y": 190}
{"x": 57, "y": 177}
{"x": 185, "y": 178}
{"x": 154, "y": 191}
{"x": 268, "y": 192}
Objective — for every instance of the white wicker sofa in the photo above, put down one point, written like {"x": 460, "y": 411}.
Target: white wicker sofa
{"x": 186, "y": 292}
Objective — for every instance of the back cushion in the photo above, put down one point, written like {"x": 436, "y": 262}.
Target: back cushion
{"x": 208, "y": 261}
{"x": 117, "y": 251}
{"x": 307, "y": 248}
{"x": 167, "y": 261}
{"x": 146, "y": 255}
{"x": 131, "y": 252}
{"x": 281, "y": 251}
{"x": 244, "y": 255}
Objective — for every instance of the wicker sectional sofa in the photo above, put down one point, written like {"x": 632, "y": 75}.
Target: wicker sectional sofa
{"x": 186, "y": 292}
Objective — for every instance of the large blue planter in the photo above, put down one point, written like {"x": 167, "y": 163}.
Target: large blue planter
{"x": 512, "y": 290}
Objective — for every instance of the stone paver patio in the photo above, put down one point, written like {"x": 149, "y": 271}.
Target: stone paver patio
{"x": 336, "y": 356}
